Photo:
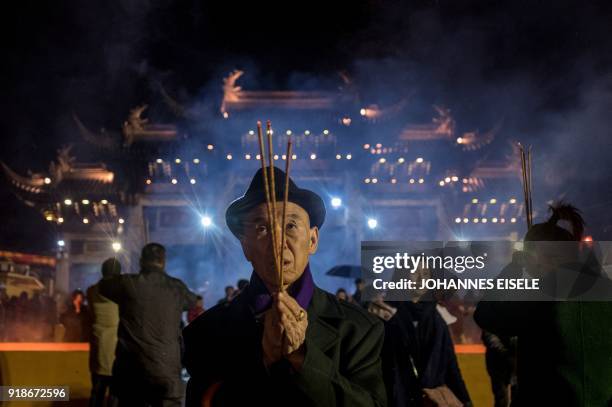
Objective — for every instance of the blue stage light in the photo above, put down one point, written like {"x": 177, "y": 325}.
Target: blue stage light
{"x": 206, "y": 221}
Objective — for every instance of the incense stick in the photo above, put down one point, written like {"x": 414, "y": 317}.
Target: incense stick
{"x": 529, "y": 189}
{"x": 526, "y": 178}
{"x": 266, "y": 188}
{"x": 285, "y": 199}
{"x": 523, "y": 184}
{"x": 273, "y": 195}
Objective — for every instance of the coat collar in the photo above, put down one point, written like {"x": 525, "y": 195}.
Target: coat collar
{"x": 301, "y": 290}
{"x": 325, "y": 306}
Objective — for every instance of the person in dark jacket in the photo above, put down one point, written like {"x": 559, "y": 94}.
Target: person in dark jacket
{"x": 229, "y": 295}
{"x": 341, "y": 294}
{"x": 564, "y": 351}
{"x": 357, "y": 295}
{"x": 500, "y": 359}
{"x": 241, "y": 285}
{"x": 148, "y": 358}
{"x": 419, "y": 361}
{"x": 76, "y": 319}
{"x": 294, "y": 345}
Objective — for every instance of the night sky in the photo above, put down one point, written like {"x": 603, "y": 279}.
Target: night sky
{"x": 544, "y": 66}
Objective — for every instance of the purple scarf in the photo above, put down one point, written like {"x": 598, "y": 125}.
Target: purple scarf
{"x": 302, "y": 290}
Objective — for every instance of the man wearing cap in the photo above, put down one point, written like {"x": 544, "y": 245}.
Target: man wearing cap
{"x": 298, "y": 346}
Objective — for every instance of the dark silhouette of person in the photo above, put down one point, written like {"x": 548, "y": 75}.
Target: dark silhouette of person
{"x": 241, "y": 285}
{"x": 500, "y": 360}
{"x": 563, "y": 347}
{"x": 358, "y": 294}
{"x": 147, "y": 363}
{"x": 229, "y": 295}
{"x": 103, "y": 340}
{"x": 76, "y": 319}
{"x": 420, "y": 367}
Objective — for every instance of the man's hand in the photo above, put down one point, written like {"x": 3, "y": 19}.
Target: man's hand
{"x": 284, "y": 331}
{"x": 294, "y": 321}
{"x": 440, "y": 396}
{"x": 272, "y": 339}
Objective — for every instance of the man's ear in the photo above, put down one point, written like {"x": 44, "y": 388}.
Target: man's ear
{"x": 314, "y": 240}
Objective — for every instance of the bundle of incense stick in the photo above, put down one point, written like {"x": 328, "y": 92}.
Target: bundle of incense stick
{"x": 270, "y": 191}
{"x": 526, "y": 173}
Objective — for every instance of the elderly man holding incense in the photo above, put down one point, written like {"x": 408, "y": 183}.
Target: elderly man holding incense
{"x": 283, "y": 341}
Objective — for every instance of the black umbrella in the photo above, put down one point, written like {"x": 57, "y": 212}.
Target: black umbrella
{"x": 345, "y": 270}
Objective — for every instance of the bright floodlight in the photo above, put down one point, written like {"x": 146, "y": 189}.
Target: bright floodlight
{"x": 336, "y": 202}
{"x": 206, "y": 221}
{"x": 116, "y": 246}
{"x": 61, "y": 243}
{"x": 372, "y": 223}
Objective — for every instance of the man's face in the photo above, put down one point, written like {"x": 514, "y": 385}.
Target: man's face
{"x": 301, "y": 242}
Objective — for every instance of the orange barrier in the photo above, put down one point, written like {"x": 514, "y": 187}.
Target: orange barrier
{"x": 44, "y": 346}
{"x": 38, "y": 368}
{"x": 83, "y": 346}
{"x": 55, "y": 363}
{"x": 470, "y": 349}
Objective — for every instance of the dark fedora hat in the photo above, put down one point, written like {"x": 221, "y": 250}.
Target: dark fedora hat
{"x": 255, "y": 195}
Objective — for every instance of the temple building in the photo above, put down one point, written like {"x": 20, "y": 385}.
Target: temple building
{"x": 383, "y": 176}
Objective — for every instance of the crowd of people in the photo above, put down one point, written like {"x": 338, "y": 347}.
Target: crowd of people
{"x": 42, "y": 318}
{"x": 38, "y": 318}
{"x": 27, "y": 318}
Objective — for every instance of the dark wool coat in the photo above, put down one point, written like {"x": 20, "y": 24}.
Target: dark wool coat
{"x": 342, "y": 364}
